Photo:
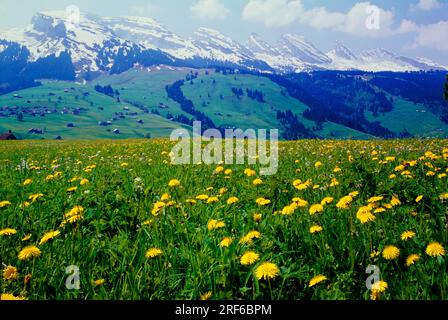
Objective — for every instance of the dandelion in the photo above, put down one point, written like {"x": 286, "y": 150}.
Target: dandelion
{"x": 49, "y": 236}
{"x": 8, "y": 232}
{"x": 4, "y": 204}
{"x": 250, "y": 236}
{"x": 206, "y": 296}
{"x": 257, "y": 182}
{"x": 212, "y": 200}
{"x": 391, "y": 253}
{"x": 257, "y": 217}
{"x": 250, "y": 172}
{"x": 202, "y": 197}
{"x": 98, "y": 282}
{"x": 228, "y": 172}
{"x": 72, "y": 189}
{"x": 267, "y": 270}
{"x": 222, "y": 190}
{"x": 318, "y": 164}
{"x": 83, "y": 182}
{"x": 29, "y": 252}
{"x": 158, "y": 206}
{"x": 219, "y": 169}
{"x": 419, "y": 198}
{"x": 174, "y": 183}
{"x": 124, "y": 165}
{"x": 326, "y": 201}
{"x": 345, "y": 202}
{"x": 316, "y": 208}
{"x": 263, "y": 202}
{"x": 226, "y": 242}
{"x": 232, "y": 200}
{"x": 27, "y": 237}
{"x": 365, "y": 215}
{"x": 165, "y": 197}
{"x": 412, "y": 259}
{"x": 215, "y": 224}
{"x": 249, "y": 258}
{"x": 435, "y": 249}
{"x": 395, "y": 201}
{"x": 153, "y": 253}
{"x": 10, "y": 297}
{"x": 27, "y": 182}
{"x": 315, "y": 229}
{"x": 10, "y": 273}
{"x": 316, "y": 280}
{"x": 377, "y": 289}
{"x": 407, "y": 235}
{"x": 35, "y": 197}
{"x": 375, "y": 199}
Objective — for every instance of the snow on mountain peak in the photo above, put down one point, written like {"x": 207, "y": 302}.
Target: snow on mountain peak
{"x": 296, "y": 46}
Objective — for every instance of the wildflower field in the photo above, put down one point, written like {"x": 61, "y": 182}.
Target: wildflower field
{"x": 138, "y": 227}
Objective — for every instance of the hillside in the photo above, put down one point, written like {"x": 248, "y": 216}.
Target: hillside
{"x": 152, "y": 101}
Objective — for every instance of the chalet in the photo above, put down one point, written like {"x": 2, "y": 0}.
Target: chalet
{"x": 8, "y": 136}
{"x": 116, "y": 131}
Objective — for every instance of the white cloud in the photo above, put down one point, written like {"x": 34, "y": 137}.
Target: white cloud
{"x": 433, "y": 35}
{"x": 273, "y": 13}
{"x": 209, "y": 10}
{"x": 362, "y": 19}
{"x": 145, "y": 10}
{"x": 428, "y": 5}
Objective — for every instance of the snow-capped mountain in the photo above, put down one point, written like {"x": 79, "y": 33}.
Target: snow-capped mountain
{"x": 114, "y": 44}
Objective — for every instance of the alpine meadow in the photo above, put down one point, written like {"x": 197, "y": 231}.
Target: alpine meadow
{"x": 118, "y": 183}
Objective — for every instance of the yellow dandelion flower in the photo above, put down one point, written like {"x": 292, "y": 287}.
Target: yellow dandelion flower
{"x": 27, "y": 237}
{"x": 48, "y": 236}
{"x": 419, "y": 198}
{"x": 375, "y": 199}
{"x": 212, "y": 200}
{"x": 202, "y": 197}
{"x": 263, "y": 202}
{"x": 377, "y": 289}
{"x": 258, "y": 217}
{"x": 8, "y": 232}
{"x": 395, "y": 201}
{"x": 407, "y": 235}
{"x": 344, "y": 203}
{"x": 391, "y": 253}
{"x": 257, "y": 182}
{"x": 267, "y": 270}
{"x": 318, "y": 164}
{"x": 174, "y": 183}
{"x": 228, "y": 172}
{"x": 153, "y": 253}
{"x": 316, "y": 280}
{"x": 435, "y": 249}
{"x": 124, "y": 165}
{"x": 10, "y": 297}
{"x": 226, "y": 242}
{"x": 222, "y": 190}
{"x": 250, "y": 236}
{"x": 412, "y": 259}
{"x": 27, "y": 182}
{"x": 83, "y": 182}
{"x": 34, "y": 197}
{"x": 206, "y": 296}
{"x": 250, "y": 172}
{"x": 232, "y": 200}
{"x": 249, "y": 258}
{"x": 4, "y": 204}
{"x": 72, "y": 189}
{"x": 219, "y": 169}
{"x": 10, "y": 273}
{"x": 98, "y": 282}
{"x": 315, "y": 229}
{"x": 29, "y": 252}
{"x": 326, "y": 201}
{"x": 165, "y": 197}
{"x": 215, "y": 224}
{"x": 316, "y": 208}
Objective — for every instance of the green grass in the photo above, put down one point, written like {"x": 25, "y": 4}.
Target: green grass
{"x": 86, "y": 124}
{"x": 119, "y": 224}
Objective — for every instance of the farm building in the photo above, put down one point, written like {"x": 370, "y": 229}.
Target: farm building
{"x": 8, "y": 136}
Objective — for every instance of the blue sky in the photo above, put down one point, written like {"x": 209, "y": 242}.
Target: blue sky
{"x": 412, "y": 27}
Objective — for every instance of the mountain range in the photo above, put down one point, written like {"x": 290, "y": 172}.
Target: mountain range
{"x": 116, "y": 44}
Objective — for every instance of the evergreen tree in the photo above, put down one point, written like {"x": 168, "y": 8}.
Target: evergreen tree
{"x": 446, "y": 89}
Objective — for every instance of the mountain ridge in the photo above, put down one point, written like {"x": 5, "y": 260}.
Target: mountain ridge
{"x": 96, "y": 42}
